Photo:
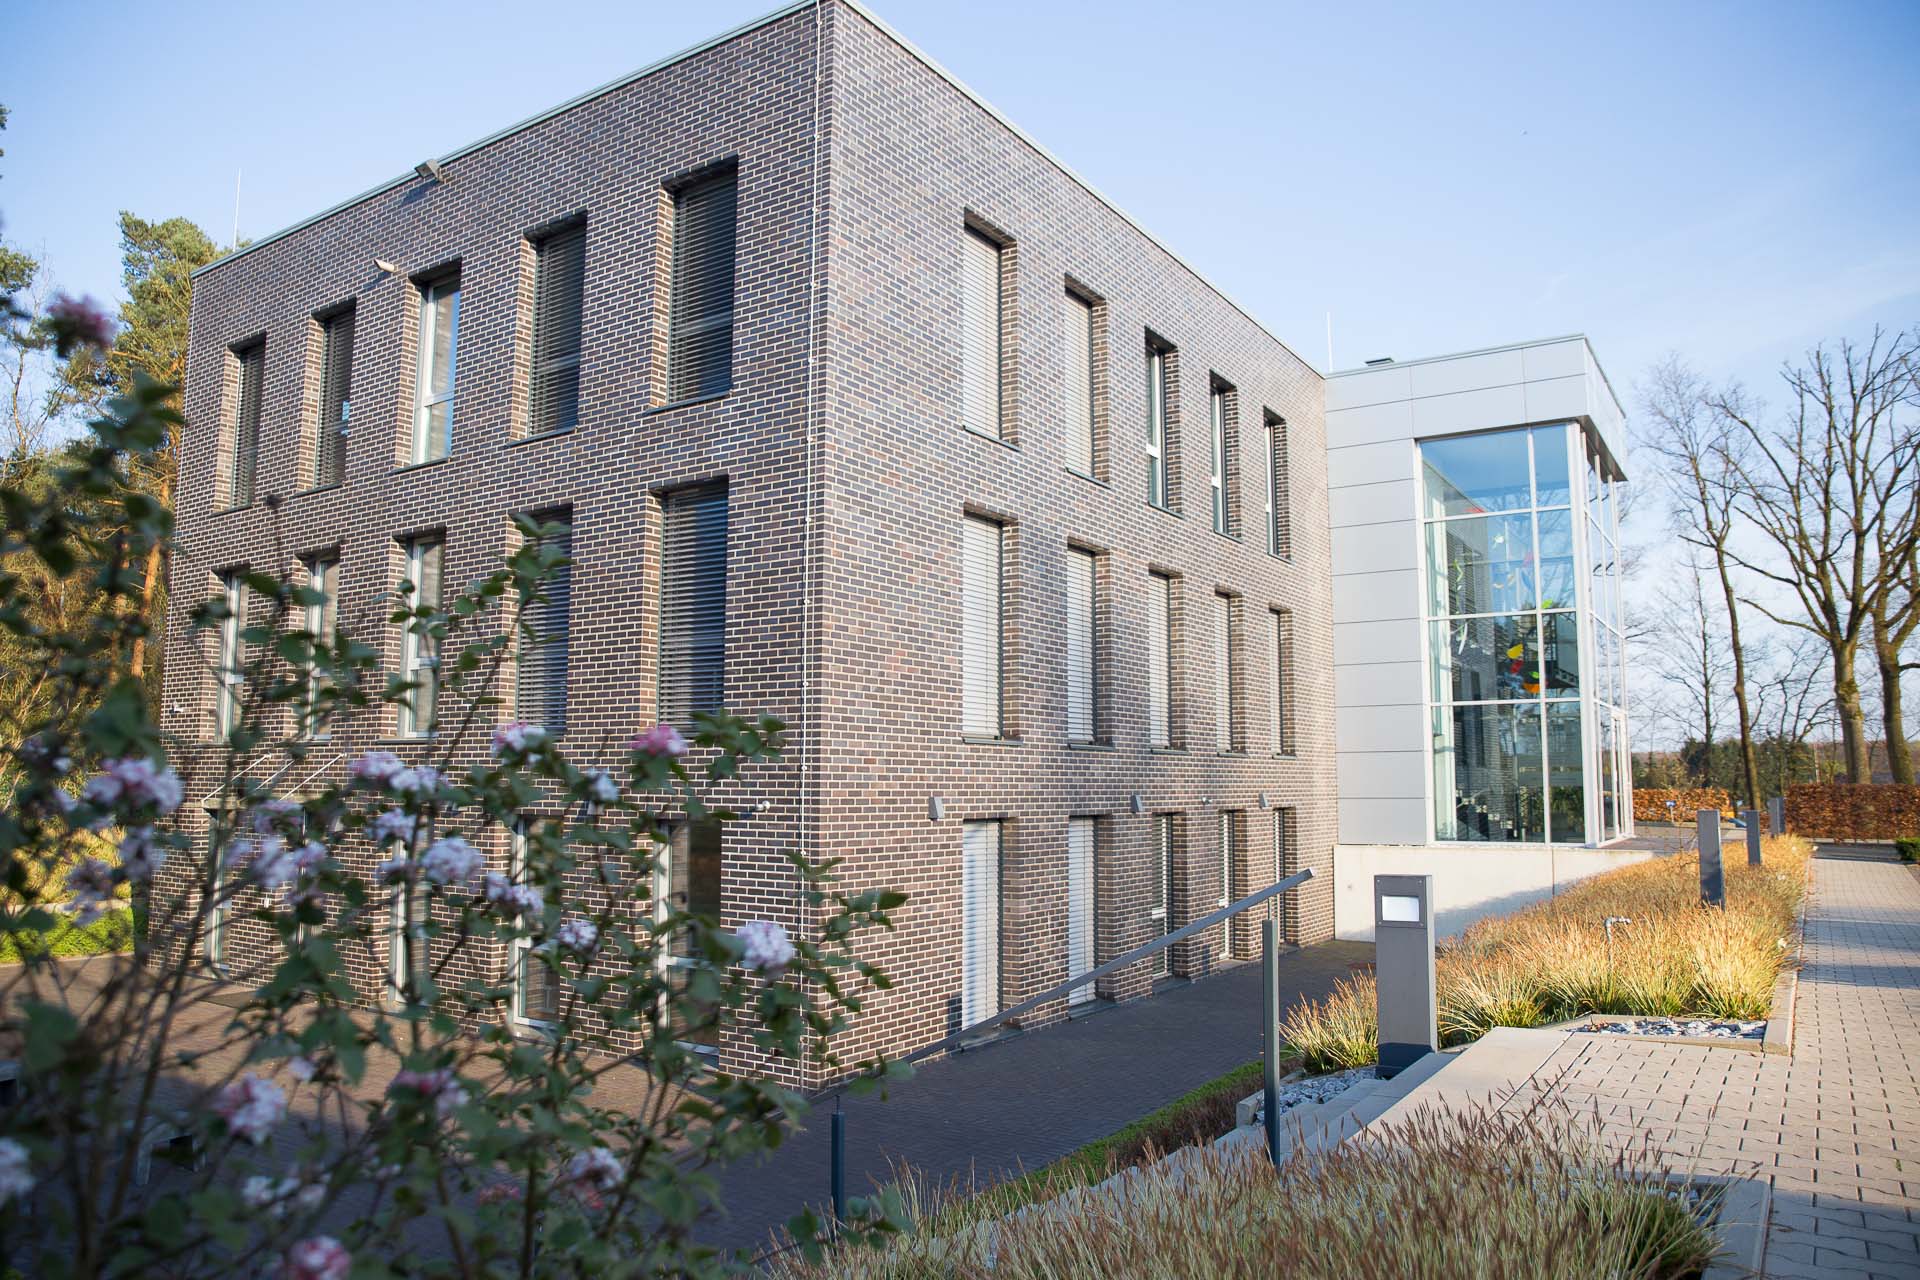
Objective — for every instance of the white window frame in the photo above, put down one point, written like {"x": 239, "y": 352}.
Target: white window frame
{"x": 1083, "y": 645}
{"x": 1217, "y": 448}
{"x": 520, "y": 948}
{"x": 1083, "y": 433}
{"x": 1224, "y": 709}
{"x": 1157, "y": 486}
{"x": 994, "y": 687}
{"x": 323, "y": 575}
{"x": 1086, "y": 878}
{"x": 413, "y": 659}
{"x": 1160, "y": 727}
{"x": 1164, "y": 842}
{"x": 230, "y": 672}
{"x": 424, "y": 399}
{"x": 970, "y": 1012}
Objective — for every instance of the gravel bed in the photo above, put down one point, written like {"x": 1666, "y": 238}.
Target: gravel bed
{"x": 1697, "y": 1028}
{"x": 1314, "y": 1089}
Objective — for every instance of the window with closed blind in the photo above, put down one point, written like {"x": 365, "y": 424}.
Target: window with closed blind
{"x": 1233, "y": 884}
{"x": 1226, "y": 712}
{"x": 242, "y": 474}
{"x": 1077, "y": 359}
{"x": 540, "y": 663}
{"x": 980, "y": 921}
{"x": 1159, "y": 660}
{"x": 981, "y": 630}
{"x": 420, "y": 651}
{"x": 1081, "y": 836}
{"x": 1157, "y": 444}
{"x": 693, "y": 603}
{"x": 336, "y": 392}
{"x": 981, "y": 318}
{"x": 434, "y": 377}
{"x": 1279, "y": 499}
{"x": 1280, "y": 727}
{"x": 1083, "y": 683}
{"x": 700, "y": 310}
{"x": 559, "y": 295}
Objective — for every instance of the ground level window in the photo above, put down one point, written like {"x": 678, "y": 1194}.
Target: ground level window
{"x": 980, "y": 922}
{"x": 1081, "y": 839}
{"x": 688, "y": 881}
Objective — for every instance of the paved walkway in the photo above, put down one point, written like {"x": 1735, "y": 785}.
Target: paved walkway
{"x": 1026, "y": 1101}
{"x": 1835, "y": 1127}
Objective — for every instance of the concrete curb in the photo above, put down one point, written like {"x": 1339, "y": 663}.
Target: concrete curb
{"x": 1742, "y": 1226}
{"x": 1779, "y": 1037}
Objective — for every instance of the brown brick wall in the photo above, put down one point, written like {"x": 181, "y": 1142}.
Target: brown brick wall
{"x": 848, "y": 478}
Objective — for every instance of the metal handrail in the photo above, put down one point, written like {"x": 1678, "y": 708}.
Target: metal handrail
{"x": 242, "y": 775}
{"x": 1119, "y": 962}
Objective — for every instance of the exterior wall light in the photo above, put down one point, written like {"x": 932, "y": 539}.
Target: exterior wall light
{"x": 936, "y": 808}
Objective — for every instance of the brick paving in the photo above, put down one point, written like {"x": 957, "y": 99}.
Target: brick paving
{"x": 1835, "y": 1126}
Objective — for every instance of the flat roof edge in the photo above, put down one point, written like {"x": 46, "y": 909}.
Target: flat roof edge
{"x": 1487, "y": 351}
{"x": 581, "y": 99}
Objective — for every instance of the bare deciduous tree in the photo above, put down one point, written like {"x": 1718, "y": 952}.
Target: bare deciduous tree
{"x": 1701, "y": 453}
{"x": 1831, "y": 490}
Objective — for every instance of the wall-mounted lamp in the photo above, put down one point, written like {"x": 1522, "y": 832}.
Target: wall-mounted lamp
{"x": 1135, "y": 805}
{"x": 761, "y": 806}
{"x": 936, "y": 808}
{"x": 1264, "y": 803}
{"x": 431, "y": 170}
{"x": 381, "y": 264}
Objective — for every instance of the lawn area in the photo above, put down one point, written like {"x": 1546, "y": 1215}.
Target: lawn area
{"x": 1551, "y": 961}
{"x": 112, "y": 932}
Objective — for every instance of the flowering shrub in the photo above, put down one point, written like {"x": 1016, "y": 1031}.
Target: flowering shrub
{"x": 171, "y": 1124}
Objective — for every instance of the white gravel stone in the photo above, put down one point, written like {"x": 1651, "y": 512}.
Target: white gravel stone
{"x": 1696, "y": 1028}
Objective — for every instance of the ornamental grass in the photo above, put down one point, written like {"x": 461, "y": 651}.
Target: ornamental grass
{"x": 1529, "y": 1195}
{"x": 1552, "y": 961}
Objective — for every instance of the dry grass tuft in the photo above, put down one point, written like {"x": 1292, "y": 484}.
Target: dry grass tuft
{"x": 1477, "y": 1195}
{"x": 1551, "y": 962}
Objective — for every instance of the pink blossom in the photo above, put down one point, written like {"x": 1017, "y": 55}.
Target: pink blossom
{"x": 439, "y": 1086}
{"x": 281, "y": 1194}
{"x": 272, "y": 864}
{"x": 601, "y": 788}
{"x": 376, "y": 767}
{"x": 596, "y": 1169}
{"x": 141, "y": 854}
{"x": 302, "y": 1068}
{"x": 768, "y": 949}
{"x": 318, "y": 1258}
{"x": 518, "y": 738}
{"x": 514, "y": 899}
{"x": 135, "y": 783}
{"x": 450, "y": 859}
{"x": 252, "y": 1107}
{"x": 395, "y": 870}
{"x": 394, "y": 824}
{"x": 16, "y": 1172}
{"x": 421, "y": 779}
{"x": 78, "y": 322}
{"x": 270, "y": 815}
{"x": 661, "y": 740}
{"x": 44, "y": 753}
{"x": 577, "y": 935}
{"x": 89, "y": 889}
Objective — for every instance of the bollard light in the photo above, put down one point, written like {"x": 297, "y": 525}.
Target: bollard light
{"x": 1713, "y": 881}
{"x": 1753, "y": 837}
{"x": 1403, "y": 971}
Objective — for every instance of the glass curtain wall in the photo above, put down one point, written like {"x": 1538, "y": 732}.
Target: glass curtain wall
{"x": 1612, "y": 761}
{"x": 1504, "y": 636}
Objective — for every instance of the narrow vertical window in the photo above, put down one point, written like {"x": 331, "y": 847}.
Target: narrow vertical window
{"x": 336, "y": 393}
{"x": 700, "y": 314}
{"x": 322, "y": 620}
{"x": 982, "y": 643}
{"x": 536, "y": 980}
{"x": 1280, "y": 728}
{"x": 981, "y": 317}
{"x": 540, "y": 662}
{"x": 1159, "y": 660}
{"x": 246, "y": 425}
{"x": 1163, "y": 873}
{"x": 559, "y": 295}
{"x": 689, "y": 880}
{"x": 433, "y": 384}
{"x": 980, "y": 922}
{"x": 1082, "y": 655}
{"x": 419, "y": 650}
{"x": 230, "y": 672}
{"x": 693, "y": 603}
{"x": 1230, "y": 886}
{"x": 1226, "y": 713}
{"x": 1077, "y": 359}
{"x": 1217, "y": 456}
{"x": 1226, "y": 860}
{"x": 1157, "y": 425}
{"x": 1081, "y": 833}
{"x": 1279, "y": 499}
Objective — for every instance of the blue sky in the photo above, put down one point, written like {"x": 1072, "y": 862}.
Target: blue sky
{"x": 1734, "y": 182}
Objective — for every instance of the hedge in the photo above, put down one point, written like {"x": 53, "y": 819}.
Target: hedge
{"x": 1853, "y": 811}
{"x": 1650, "y": 803}
{"x": 112, "y": 932}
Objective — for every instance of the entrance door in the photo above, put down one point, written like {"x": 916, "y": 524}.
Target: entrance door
{"x": 688, "y": 879}
{"x": 1080, "y": 843}
{"x": 980, "y": 922}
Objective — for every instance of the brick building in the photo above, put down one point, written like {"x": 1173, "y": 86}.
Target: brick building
{"x": 861, "y": 411}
